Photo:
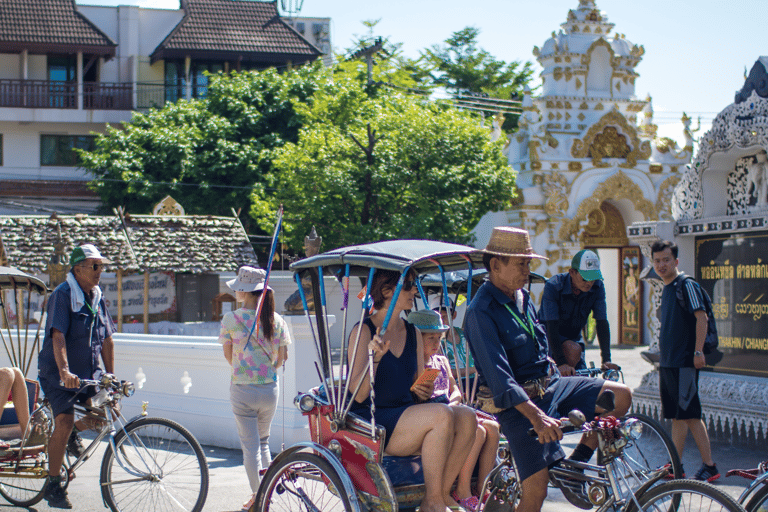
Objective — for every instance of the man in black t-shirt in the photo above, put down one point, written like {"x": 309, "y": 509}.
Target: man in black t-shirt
{"x": 681, "y": 341}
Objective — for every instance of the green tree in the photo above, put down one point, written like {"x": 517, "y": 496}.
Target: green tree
{"x": 463, "y": 68}
{"x": 210, "y": 155}
{"x": 379, "y": 165}
{"x": 390, "y": 65}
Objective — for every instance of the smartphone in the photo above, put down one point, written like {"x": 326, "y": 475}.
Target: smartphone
{"x": 428, "y": 376}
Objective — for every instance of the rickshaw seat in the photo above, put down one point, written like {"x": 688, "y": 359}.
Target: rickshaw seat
{"x": 9, "y": 412}
{"x": 403, "y": 470}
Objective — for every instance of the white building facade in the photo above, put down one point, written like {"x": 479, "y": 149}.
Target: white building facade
{"x": 588, "y": 162}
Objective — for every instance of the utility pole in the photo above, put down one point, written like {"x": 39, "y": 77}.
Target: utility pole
{"x": 369, "y": 52}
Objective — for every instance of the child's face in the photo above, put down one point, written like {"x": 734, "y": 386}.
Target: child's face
{"x": 444, "y": 315}
{"x": 431, "y": 343}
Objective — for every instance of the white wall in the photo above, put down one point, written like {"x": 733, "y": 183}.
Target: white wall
{"x": 9, "y": 66}
{"x": 609, "y": 266}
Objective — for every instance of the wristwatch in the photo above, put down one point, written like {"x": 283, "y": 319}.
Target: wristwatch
{"x": 697, "y": 353}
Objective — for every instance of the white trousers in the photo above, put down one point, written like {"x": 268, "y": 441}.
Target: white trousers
{"x": 254, "y": 407}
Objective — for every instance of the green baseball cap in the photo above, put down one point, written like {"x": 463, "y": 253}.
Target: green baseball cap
{"x": 587, "y": 263}
{"x": 85, "y": 252}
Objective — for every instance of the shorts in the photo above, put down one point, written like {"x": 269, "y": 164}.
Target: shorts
{"x": 562, "y": 396}
{"x": 63, "y": 400}
{"x": 679, "y": 390}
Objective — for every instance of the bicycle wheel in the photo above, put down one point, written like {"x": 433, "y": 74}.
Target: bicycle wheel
{"x": 24, "y": 487}
{"x": 172, "y": 469}
{"x": 301, "y": 482}
{"x": 685, "y": 496}
{"x": 759, "y": 502}
{"x": 653, "y": 450}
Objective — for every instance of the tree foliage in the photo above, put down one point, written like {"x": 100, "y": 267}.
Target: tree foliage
{"x": 372, "y": 166}
{"x": 210, "y": 154}
{"x": 463, "y": 68}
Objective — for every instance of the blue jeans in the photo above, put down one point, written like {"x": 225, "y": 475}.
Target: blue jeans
{"x": 254, "y": 407}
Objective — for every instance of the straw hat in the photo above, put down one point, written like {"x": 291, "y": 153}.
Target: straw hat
{"x": 509, "y": 241}
{"x": 427, "y": 320}
{"x": 249, "y": 279}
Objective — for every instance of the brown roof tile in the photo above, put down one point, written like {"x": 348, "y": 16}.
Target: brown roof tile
{"x": 247, "y": 28}
{"x": 194, "y": 244}
{"x": 40, "y": 23}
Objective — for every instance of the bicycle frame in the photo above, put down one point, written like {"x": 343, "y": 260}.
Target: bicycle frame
{"x": 759, "y": 482}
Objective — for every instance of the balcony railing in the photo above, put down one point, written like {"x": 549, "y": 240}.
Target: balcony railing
{"x": 55, "y": 94}
{"x": 96, "y": 95}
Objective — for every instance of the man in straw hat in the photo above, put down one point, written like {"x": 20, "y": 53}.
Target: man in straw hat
{"x": 78, "y": 331}
{"x": 510, "y": 349}
{"x": 566, "y": 303}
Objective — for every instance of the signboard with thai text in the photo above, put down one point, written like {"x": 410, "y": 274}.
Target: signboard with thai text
{"x": 733, "y": 269}
{"x": 162, "y": 293}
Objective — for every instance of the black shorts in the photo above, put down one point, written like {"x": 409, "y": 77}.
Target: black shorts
{"x": 63, "y": 400}
{"x": 563, "y": 395}
{"x": 679, "y": 390}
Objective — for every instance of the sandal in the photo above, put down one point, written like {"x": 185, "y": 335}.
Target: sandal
{"x": 470, "y": 504}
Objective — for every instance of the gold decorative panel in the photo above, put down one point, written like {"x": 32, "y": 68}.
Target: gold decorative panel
{"x": 618, "y": 186}
{"x": 600, "y": 142}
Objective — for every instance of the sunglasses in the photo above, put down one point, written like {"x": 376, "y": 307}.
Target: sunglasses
{"x": 95, "y": 266}
{"x": 408, "y": 285}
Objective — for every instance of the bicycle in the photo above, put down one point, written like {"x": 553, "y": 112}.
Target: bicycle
{"x": 755, "y": 497}
{"x": 149, "y": 464}
{"x": 654, "y": 448}
{"x": 614, "y": 484}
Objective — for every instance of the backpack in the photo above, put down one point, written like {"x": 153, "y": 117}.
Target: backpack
{"x": 711, "y": 341}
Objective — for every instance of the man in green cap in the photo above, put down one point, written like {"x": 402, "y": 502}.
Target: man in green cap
{"x": 78, "y": 331}
{"x": 567, "y": 301}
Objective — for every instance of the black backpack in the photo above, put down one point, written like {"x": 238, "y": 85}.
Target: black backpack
{"x": 711, "y": 341}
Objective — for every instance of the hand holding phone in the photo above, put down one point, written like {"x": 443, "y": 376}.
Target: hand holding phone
{"x": 427, "y": 377}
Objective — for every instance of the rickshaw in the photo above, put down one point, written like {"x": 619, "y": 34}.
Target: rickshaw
{"x": 344, "y": 468}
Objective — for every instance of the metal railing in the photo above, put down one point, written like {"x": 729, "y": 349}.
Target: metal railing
{"x": 56, "y": 94}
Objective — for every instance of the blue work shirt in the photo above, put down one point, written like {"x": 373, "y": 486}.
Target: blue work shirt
{"x": 677, "y": 339}
{"x": 505, "y": 354}
{"x": 559, "y": 303}
{"x": 82, "y": 354}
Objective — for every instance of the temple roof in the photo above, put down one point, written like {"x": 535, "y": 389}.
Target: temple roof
{"x": 235, "y": 29}
{"x": 50, "y": 26}
{"x": 194, "y": 244}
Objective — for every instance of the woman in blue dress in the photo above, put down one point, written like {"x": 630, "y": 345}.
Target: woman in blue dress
{"x": 442, "y": 434}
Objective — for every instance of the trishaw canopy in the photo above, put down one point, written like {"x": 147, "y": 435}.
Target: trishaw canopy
{"x": 420, "y": 255}
{"x": 13, "y": 278}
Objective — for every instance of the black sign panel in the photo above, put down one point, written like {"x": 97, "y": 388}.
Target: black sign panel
{"x": 733, "y": 269}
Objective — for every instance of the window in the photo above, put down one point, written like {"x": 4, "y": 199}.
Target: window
{"x": 57, "y": 149}
{"x": 300, "y": 27}
{"x": 175, "y": 81}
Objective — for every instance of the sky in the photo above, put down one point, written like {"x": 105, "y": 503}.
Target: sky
{"x": 696, "y": 52}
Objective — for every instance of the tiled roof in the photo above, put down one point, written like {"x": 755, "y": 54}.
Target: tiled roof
{"x": 190, "y": 244}
{"x": 193, "y": 244}
{"x": 248, "y": 28}
{"x": 28, "y": 241}
{"x": 57, "y": 23}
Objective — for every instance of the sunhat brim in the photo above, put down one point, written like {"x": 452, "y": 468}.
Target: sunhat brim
{"x": 237, "y": 286}
{"x": 528, "y": 255}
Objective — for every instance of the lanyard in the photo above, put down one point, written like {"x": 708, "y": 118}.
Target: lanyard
{"x": 527, "y": 326}
{"x": 93, "y": 322}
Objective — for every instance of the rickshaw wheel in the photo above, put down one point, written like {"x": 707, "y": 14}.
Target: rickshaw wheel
{"x": 303, "y": 481}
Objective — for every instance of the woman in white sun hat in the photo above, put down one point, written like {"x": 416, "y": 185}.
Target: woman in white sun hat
{"x": 255, "y": 353}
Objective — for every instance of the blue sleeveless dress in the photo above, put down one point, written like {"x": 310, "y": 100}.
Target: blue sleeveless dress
{"x": 394, "y": 377}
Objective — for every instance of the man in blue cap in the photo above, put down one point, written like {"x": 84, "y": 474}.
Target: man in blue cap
{"x": 78, "y": 331}
{"x": 567, "y": 301}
